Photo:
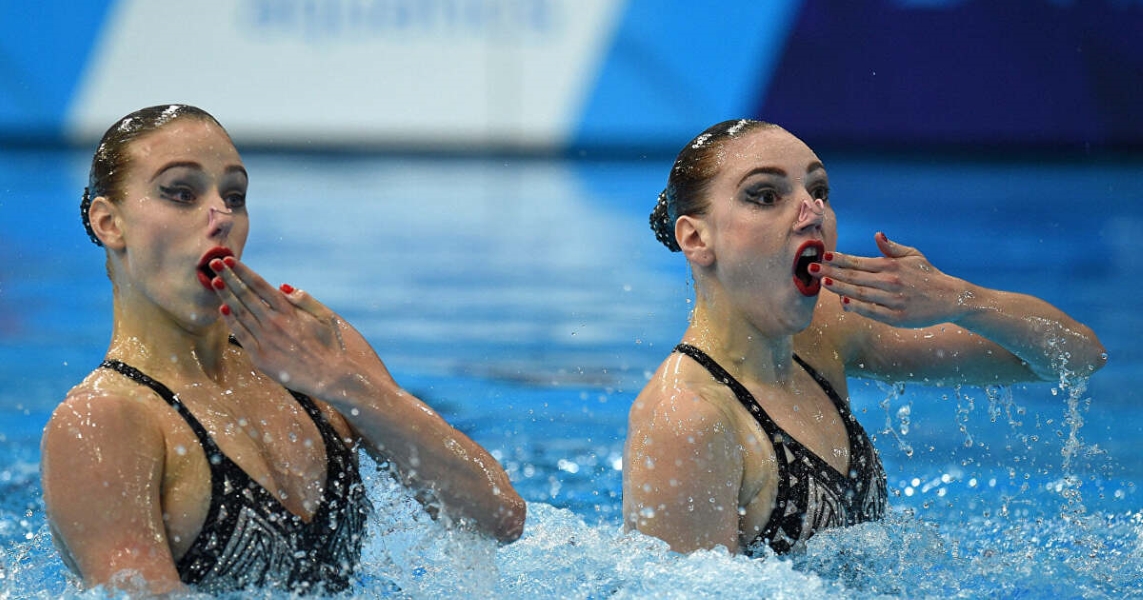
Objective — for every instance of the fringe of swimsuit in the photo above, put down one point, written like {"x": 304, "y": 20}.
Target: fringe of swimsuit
{"x": 812, "y": 495}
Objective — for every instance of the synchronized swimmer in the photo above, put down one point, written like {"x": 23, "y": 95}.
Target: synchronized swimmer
{"x": 180, "y": 460}
{"x": 743, "y": 437}
{"x": 215, "y": 447}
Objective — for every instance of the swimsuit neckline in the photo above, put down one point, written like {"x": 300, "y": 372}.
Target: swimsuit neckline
{"x": 211, "y": 447}
{"x": 756, "y": 409}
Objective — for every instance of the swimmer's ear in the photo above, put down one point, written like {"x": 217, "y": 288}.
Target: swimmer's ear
{"x": 693, "y": 237}
{"x": 104, "y": 218}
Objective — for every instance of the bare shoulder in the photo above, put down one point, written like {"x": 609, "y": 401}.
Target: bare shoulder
{"x": 102, "y": 465}
{"x": 682, "y": 399}
{"x": 102, "y": 434}
{"x": 103, "y": 406}
{"x": 99, "y": 430}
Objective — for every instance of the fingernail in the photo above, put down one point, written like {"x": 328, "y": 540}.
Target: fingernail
{"x": 216, "y": 265}
{"x": 826, "y": 281}
{"x": 225, "y": 310}
{"x": 815, "y": 267}
{"x": 828, "y": 256}
{"x": 229, "y": 261}
{"x": 884, "y": 237}
{"x": 217, "y": 283}
{"x": 845, "y": 299}
{"x": 287, "y": 288}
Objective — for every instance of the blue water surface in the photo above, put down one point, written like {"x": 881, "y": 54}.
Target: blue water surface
{"x": 528, "y": 301}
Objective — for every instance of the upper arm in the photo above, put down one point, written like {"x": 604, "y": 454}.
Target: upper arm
{"x": 683, "y": 473}
{"x": 102, "y": 468}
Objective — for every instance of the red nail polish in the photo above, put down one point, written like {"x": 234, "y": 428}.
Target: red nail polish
{"x": 287, "y": 288}
{"x": 826, "y": 281}
{"x": 845, "y": 299}
{"x": 216, "y": 265}
{"x": 225, "y": 310}
{"x": 828, "y": 256}
{"x": 229, "y": 261}
{"x": 217, "y": 283}
{"x": 815, "y": 267}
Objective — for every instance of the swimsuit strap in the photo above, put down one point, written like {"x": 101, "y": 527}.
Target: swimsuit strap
{"x": 231, "y": 551}
{"x": 212, "y": 451}
{"x": 335, "y": 448}
{"x": 788, "y": 487}
{"x": 827, "y": 387}
{"x": 811, "y": 493}
{"x": 744, "y": 396}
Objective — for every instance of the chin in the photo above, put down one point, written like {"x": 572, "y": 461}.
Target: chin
{"x": 202, "y": 313}
{"x": 805, "y": 313}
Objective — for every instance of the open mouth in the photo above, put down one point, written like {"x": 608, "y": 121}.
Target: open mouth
{"x": 808, "y": 254}
{"x": 205, "y": 273}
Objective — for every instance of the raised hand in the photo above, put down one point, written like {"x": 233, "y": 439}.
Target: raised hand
{"x": 291, "y": 336}
{"x": 899, "y": 288}
{"x": 305, "y": 346}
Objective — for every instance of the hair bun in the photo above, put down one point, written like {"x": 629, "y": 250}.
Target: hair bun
{"x": 662, "y": 225}
{"x": 84, "y": 206}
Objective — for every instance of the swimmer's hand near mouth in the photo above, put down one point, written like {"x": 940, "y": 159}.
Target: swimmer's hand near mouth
{"x": 899, "y": 288}
{"x": 291, "y": 336}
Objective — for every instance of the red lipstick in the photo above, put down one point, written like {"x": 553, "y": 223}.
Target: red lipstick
{"x": 808, "y": 253}
{"x": 205, "y": 273}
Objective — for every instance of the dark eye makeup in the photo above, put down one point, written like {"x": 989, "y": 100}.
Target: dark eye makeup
{"x": 764, "y": 195}
{"x": 178, "y": 192}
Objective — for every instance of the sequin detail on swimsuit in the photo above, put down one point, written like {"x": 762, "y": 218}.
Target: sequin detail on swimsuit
{"x": 249, "y": 539}
{"x": 812, "y": 495}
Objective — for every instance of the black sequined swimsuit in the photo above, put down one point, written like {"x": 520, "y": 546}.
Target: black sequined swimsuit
{"x": 812, "y": 495}
{"x": 250, "y": 540}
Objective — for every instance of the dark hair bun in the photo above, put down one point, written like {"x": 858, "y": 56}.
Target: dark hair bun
{"x": 84, "y": 206}
{"x": 662, "y": 224}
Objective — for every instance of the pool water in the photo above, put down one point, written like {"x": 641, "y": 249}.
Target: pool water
{"x": 528, "y": 301}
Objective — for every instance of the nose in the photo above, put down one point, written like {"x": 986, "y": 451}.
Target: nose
{"x": 220, "y": 218}
{"x": 811, "y": 213}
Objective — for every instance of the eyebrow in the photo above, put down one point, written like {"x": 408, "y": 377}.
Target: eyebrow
{"x": 762, "y": 171}
{"x": 812, "y": 168}
{"x": 190, "y": 164}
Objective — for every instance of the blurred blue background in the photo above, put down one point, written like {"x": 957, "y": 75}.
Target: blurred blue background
{"x": 468, "y": 182}
{"x": 583, "y": 75}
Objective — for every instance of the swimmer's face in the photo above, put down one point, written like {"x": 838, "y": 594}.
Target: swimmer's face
{"x": 184, "y": 195}
{"x": 759, "y": 222}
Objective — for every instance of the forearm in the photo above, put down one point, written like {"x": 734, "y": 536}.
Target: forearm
{"x": 304, "y": 345}
{"x": 1049, "y": 341}
{"x": 430, "y": 454}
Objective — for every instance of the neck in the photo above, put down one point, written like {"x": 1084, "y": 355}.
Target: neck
{"x": 744, "y": 350}
{"x": 153, "y": 341}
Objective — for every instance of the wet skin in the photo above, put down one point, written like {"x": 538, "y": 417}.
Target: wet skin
{"x": 699, "y": 472}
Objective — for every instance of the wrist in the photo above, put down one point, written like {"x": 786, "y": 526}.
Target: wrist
{"x": 970, "y": 301}
{"x": 356, "y": 389}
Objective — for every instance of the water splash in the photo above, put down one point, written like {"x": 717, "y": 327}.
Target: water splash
{"x": 409, "y": 555}
{"x": 894, "y": 392}
{"x": 964, "y": 407}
